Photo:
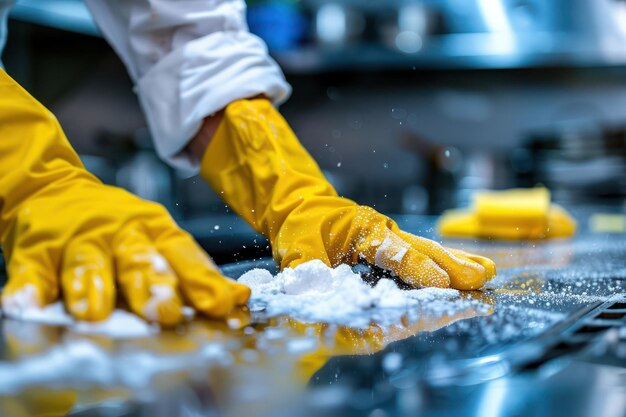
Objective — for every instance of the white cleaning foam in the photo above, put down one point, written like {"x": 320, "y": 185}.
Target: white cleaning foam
{"x": 314, "y": 292}
{"x": 21, "y": 301}
{"x": 119, "y": 325}
{"x": 159, "y": 294}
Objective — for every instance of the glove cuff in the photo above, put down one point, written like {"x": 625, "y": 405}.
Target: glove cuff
{"x": 259, "y": 168}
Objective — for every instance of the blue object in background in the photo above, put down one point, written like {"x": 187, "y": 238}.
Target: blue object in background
{"x": 281, "y": 25}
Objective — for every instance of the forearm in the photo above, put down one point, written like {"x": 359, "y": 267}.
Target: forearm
{"x": 34, "y": 153}
{"x": 188, "y": 59}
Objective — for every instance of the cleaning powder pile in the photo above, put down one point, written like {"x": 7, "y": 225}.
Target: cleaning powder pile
{"x": 120, "y": 324}
{"x": 314, "y": 292}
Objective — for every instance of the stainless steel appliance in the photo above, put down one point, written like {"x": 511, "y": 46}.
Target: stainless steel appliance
{"x": 552, "y": 344}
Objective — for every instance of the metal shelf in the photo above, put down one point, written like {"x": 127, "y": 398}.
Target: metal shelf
{"x": 69, "y": 15}
{"x": 458, "y": 51}
{"x": 454, "y": 51}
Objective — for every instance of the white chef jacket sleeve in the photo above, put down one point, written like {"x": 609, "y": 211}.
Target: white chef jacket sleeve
{"x": 188, "y": 59}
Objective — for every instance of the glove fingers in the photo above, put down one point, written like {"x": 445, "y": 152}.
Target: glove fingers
{"x": 32, "y": 284}
{"x": 465, "y": 273}
{"x": 419, "y": 270}
{"x": 387, "y": 250}
{"x": 146, "y": 278}
{"x": 241, "y": 293}
{"x": 201, "y": 282}
{"x": 488, "y": 264}
{"x": 87, "y": 280}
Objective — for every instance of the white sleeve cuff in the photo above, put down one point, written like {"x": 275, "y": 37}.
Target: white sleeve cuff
{"x": 200, "y": 78}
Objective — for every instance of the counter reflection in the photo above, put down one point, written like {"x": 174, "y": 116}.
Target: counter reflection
{"x": 246, "y": 365}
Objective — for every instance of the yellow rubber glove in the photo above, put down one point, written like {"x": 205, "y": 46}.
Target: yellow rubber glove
{"x": 509, "y": 215}
{"x": 257, "y": 165}
{"x": 64, "y": 232}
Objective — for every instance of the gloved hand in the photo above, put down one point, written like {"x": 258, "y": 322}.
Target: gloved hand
{"x": 65, "y": 233}
{"x": 256, "y": 164}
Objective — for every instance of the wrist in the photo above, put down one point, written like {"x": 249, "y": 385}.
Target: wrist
{"x": 198, "y": 145}
{"x": 200, "y": 142}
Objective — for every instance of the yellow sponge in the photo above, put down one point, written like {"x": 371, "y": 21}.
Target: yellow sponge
{"x": 513, "y": 206}
{"x": 509, "y": 215}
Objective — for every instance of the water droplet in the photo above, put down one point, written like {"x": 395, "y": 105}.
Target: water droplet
{"x": 398, "y": 113}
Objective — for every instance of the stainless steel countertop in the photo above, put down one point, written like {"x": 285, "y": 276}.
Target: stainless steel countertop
{"x": 553, "y": 343}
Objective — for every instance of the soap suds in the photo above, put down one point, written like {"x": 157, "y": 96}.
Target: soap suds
{"x": 21, "y": 301}
{"x": 160, "y": 294}
{"x": 53, "y": 314}
{"x": 119, "y": 325}
{"x": 314, "y": 292}
{"x": 159, "y": 263}
{"x": 99, "y": 367}
{"x": 80, "y": 306}
{"x": 98, "y": 283}
{"x": 77, "y": 284}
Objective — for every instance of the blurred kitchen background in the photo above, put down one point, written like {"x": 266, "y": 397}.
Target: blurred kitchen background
{"x": 408, "y": 105}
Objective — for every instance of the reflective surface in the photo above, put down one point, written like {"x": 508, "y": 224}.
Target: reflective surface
{"x": 552, "y": 342}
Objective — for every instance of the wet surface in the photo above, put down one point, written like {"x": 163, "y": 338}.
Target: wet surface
{"x": 550, "y": 327}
